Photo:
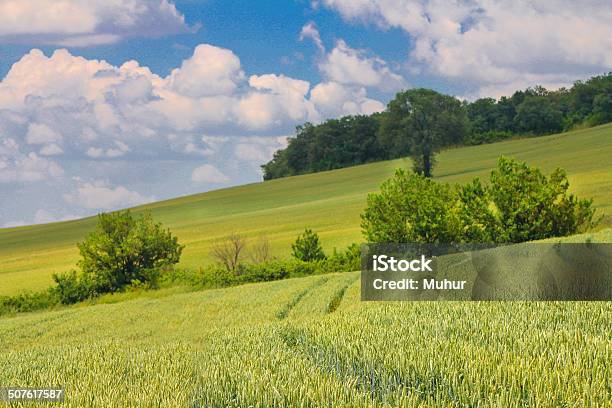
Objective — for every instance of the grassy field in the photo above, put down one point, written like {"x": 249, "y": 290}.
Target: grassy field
{"x": 310, "y": 342}
{"x": 329, "y": 202}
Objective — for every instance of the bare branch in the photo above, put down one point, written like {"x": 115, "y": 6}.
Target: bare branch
{"x": 228, "y": 250}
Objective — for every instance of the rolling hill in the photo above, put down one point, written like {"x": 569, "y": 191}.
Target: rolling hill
{"x": 329, "y": 202}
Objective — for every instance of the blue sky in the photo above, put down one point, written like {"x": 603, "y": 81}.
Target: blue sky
{"x": 106, "y": 104}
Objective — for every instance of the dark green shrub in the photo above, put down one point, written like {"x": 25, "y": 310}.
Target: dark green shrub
{"x": 307, "y": 247}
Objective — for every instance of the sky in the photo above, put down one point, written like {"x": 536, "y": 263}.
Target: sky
{"x": 107, "y": 104}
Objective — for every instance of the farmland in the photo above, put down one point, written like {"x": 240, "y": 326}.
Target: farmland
{"x": 308, "y": 342}
{"x": 328, "y": 202}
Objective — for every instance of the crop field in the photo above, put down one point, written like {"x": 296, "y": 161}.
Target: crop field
{"x": 310, "y": 342}
{"x": 328, "y": 202}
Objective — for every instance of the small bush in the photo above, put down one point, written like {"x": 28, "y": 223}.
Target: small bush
{"x": 28, "y": 302}
{"x": 307, "y": 247}
{"x": 71, "y": 288}
{"x": 345, "y": 261}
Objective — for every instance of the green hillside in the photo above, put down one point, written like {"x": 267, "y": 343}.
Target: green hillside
{"x": 280, "y": 344}
{"x": 328, "y": 202}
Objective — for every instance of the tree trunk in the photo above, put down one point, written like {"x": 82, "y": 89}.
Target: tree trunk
{"x": 427, "y": 164}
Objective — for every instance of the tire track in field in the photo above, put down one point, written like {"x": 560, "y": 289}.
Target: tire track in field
{"x": 284, "y": 312}
{"x": 378, "y": 382}
{"x": 335, "y": 301}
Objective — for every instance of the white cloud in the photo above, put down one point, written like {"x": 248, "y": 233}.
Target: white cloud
{"x": 51, "y": 150}
{"x": 119, "y": 149}
{"x": 350, "y": 66}
{"x": 100, "y": 196}
{"x": 335, "y": 99}
{"x": 258, "y": 150}
{"x": 310, "y": 31}
{"x": 276, "y": 98}
{"x": 210, "y": 71}
{"x": 493, "y": 45}
{"x": 42, "y": 134}
{"x": 207, "y": 173}
{"x": 79, "y": 23}
{"x": 16, "y": 166}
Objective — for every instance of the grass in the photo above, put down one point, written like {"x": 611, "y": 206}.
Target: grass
{"x": 310, "y": 342}
{"x": 328, "y": 202}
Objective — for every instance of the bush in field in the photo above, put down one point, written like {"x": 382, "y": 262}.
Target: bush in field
{"x": 532, "y": 206}
{"x": 343, "y": 261}
{"x": 520, "y": 204}
{"x": 28, "y": 302}
{"x": 411, "y": 208}
{"x": 307, "y": 247}
{"x": 72, "y": 288}
{"x": 123, "y": 250}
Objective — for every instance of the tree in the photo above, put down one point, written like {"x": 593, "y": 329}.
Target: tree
{"x": 420, "y": 122}
{"x": 411, "y": 208}
{"x": 228, "y": 251}
{"x": 537, "y": 115}
{"x": 307, "y": 247}
{"x": 124, "y": 249}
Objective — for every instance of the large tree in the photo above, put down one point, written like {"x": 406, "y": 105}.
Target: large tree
{"x": 419, "y": 122}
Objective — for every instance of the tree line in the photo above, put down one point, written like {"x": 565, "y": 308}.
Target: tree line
{"x": 420, "y": 122}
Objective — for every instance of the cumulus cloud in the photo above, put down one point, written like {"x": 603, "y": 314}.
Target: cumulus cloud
{"x": 63, "y": 116}
{"x": 335, "y": 99}
{"x": 99, "y": 195}
{"x": 258, "y": 150}
{"x": 79, "y": 23}
{"x": 275, "y": 99}
{"x": 210, "y": 71}
{"x": 350, "y": 66}
{"x": 496, "y": 46}
{"x": 207, "y": 173}
{"x": 17, "y": 166}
